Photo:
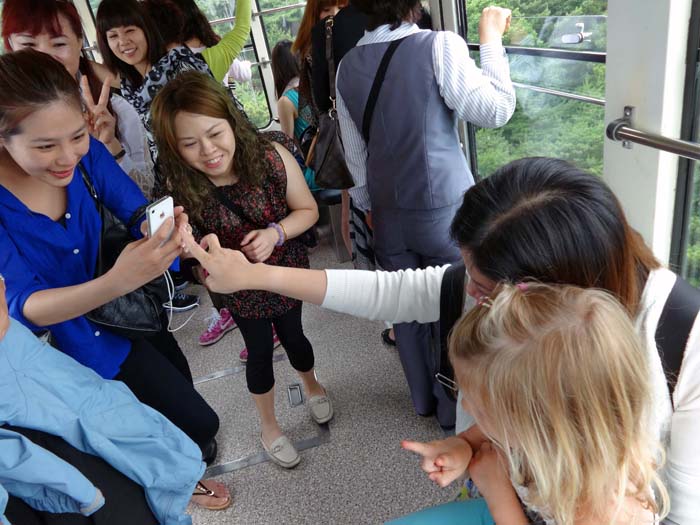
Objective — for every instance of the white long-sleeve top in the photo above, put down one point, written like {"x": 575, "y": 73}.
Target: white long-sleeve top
{"x": 414, "y": 295}
{"x": 485, "y": 96}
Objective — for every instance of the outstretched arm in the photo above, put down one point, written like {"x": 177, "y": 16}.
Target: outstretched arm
{"x": 407, "y": 295}
{"x": 220, "y": 56}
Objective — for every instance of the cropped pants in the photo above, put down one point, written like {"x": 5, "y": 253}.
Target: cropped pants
{"x": 257, "y": 334}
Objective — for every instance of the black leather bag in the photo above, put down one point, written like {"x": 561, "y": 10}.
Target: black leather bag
{"x": 328, "y": 157}
{"x": 136, "y": 314}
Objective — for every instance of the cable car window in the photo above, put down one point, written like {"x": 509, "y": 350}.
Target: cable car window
{"x": 281, "y": 25}
{"x": 556, "y": 52}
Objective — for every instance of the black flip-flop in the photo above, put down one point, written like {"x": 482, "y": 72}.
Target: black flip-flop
{"x": 386, "y": 339}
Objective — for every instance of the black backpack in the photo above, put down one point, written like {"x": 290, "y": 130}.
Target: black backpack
{"x": 676, "y": 322}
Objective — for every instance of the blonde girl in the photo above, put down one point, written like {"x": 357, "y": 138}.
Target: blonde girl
{"x": 557, "y": 379}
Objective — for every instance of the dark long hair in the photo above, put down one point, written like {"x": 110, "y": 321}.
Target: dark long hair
{"x": 284, "y": 65}
{"x": 30, "y": 80}
{"x": 545, "y": 219}
{"x": 171, "y": 19}
{"x": 196, "y": 24}
{"x": 392, "y": 12}
{"x": 199, "y": 93}
{"x": 35, "y": 16}
{"x": 120, "y": 13}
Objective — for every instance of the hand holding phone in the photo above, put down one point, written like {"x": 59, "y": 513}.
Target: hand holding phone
{"x": 158, "y": 213}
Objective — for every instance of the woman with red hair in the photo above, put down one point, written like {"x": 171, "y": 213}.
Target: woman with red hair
{"x": 54, "y": 28}
{"x": 314, "y": 11}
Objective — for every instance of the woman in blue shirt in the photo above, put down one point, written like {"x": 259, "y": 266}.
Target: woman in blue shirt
{"x": 49, "y": 235}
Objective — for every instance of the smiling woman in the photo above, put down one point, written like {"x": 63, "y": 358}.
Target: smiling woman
{"x": 50, "y": 231}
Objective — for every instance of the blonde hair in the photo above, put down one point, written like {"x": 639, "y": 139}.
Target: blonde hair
{"x": 563, "y": 379}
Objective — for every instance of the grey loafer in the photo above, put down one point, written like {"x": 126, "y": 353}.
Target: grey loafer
{"x": 321, "y": 408}
{"x": 282, "y": 452}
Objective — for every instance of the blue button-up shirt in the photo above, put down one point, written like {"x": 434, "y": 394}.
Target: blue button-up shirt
{"x": 43, "y": 389}
{"x": 38, "y": 253}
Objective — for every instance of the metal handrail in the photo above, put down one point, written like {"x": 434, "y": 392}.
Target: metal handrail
{"x": 549, "y": 52}
{"x": 562, "y": 94}
{"x": 270, "y": 11}
{"x": 622, "y": 130}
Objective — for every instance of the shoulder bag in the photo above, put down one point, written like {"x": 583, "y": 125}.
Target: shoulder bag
{"x": 308, "y": 238}
{"x": 138, "y": 313}
{"x": 326, "y": 155}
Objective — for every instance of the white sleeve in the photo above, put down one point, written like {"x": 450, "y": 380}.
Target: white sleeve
{"x": 485, "y": 97}
{"x": 355, "y": 152}
{"x": 396, "y": 297}
{"x": 683, "y": 461}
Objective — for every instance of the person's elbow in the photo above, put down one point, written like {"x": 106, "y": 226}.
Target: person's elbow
{"x": 501, "y": 113}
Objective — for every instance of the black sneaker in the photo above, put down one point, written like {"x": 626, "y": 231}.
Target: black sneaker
{"x": 179, "y": 281}
{"x": 183, "y": 302}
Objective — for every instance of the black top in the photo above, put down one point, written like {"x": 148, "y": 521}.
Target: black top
{"x": 348, "y": 27}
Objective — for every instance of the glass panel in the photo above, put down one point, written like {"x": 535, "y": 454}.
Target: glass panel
{"x": 692, "y": 249}
{"x": 545, "y": 125}
{"x": 692, "y": 271}
{"x": 215, "y": 9}
{"x": 94, "y": 4}
{"x": 573, "y": 76}
{"x": 282, "y": 26}
{"x": 252, "y": 94}
{"x": 567, "y": 24}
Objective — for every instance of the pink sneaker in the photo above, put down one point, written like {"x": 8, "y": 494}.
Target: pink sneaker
{"x": 219, "y": 323}
{"x": 243, "y": 356}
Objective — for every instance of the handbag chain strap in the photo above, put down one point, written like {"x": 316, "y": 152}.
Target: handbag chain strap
{"x": 330, "y": 58}
{"x": 135, "y": 217}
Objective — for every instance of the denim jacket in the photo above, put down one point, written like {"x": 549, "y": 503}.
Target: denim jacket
{"x": 44, "y": 389}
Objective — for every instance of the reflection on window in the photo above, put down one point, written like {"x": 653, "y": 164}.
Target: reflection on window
{"x": 545, "y": 125}
{"x": 565, "y": 24}
{"x": 572, "y": 76}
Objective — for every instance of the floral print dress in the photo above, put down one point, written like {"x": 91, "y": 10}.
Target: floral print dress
{"x": 262, "y": 205}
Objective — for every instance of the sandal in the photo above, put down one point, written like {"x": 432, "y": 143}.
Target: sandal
{"x": 218, "y": 501}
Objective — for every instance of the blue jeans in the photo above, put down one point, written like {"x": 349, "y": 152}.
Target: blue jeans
{"x": 467, "y": 512}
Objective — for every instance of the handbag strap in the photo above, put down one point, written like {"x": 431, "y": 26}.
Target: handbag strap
{"x": 377, "y": 86}
{"x": 330, "y": 58}
{"x": 135, "y": 217}
{"x": 228, "y": 203}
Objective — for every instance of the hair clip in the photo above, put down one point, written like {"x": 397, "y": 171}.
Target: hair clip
{"x": 447, "y": 382}
{"x": 486, "y": 301}
{"x": 522, "y": 286}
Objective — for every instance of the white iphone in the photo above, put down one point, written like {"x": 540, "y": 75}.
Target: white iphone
{"x": 157, "y": 213}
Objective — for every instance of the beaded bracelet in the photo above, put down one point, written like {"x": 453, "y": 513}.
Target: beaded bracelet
{"x": 280, "y": 232}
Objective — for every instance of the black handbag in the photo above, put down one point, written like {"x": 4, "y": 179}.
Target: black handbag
{"x": 137, "y": 314}
{"x": 328, "y": 157}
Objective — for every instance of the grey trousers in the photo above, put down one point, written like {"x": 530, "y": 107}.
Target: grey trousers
{"x": 412, "y": 239}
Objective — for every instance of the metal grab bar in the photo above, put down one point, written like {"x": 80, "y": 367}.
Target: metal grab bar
{"x": 550, "y": 52}
{"x": 264, "y": 12}
{"x": 562, "y": 94}
{"x": 622, "y": 130}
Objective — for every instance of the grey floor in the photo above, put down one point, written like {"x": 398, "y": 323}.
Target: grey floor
{"x": 359, "y": 474}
